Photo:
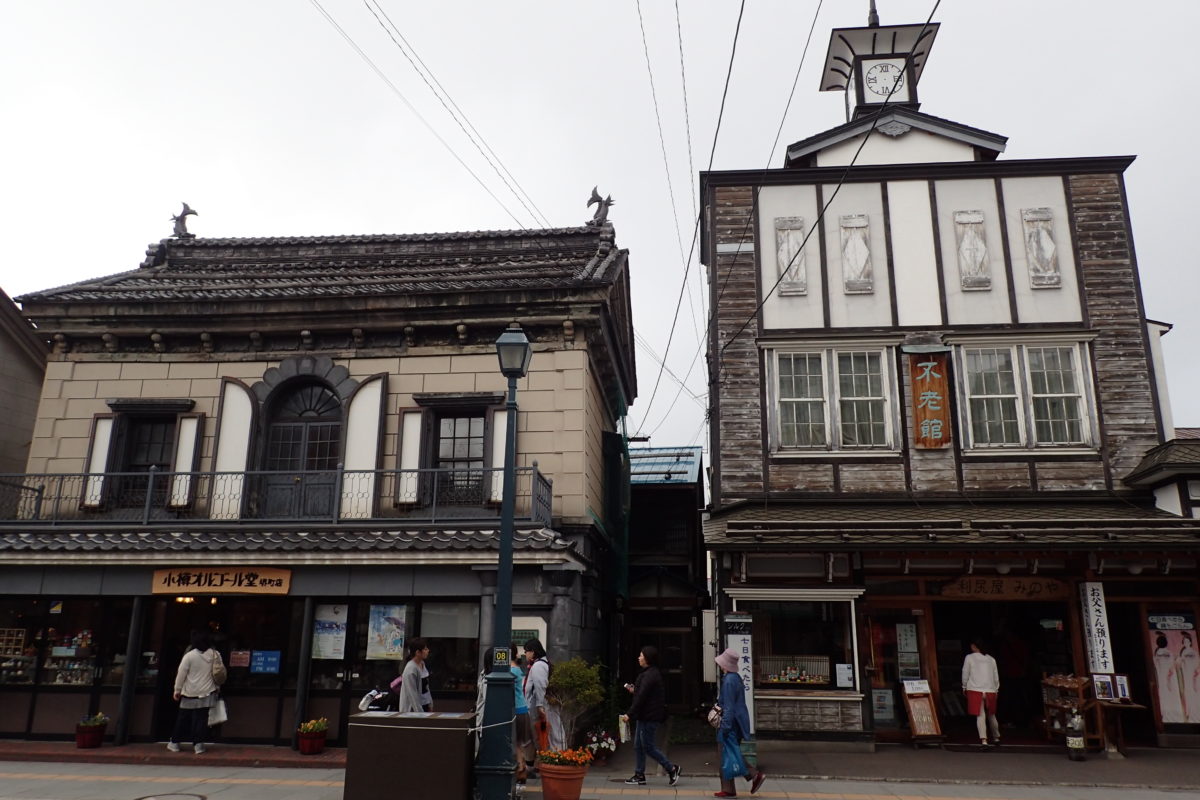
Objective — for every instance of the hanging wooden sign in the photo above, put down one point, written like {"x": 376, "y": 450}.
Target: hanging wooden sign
{"x": 977, "y": 587}
{"x": 222, "y": 580}
{"x": 930, "y": 381}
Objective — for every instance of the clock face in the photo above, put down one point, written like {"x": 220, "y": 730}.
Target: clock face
{"x": 880, "y": 78}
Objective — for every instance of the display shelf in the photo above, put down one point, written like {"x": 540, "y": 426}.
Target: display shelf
{"x": 1062, "y": 695}
{"x": 16, "y": 669}
{"x": 69, "y": 671}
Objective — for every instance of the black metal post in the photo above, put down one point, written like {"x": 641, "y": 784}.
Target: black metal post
{"x": 495, "y": 768}
{"x": 133, "y": 663}
{"x": 304, "y": 673}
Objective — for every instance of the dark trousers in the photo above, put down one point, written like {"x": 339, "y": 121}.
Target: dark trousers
{"x": 643, "y": 745}
{"x": 191, "y": 726}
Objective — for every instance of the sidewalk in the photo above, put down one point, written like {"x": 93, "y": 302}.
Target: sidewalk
{"x": 1143, "y": 768}
{"x": 785, "y": 763}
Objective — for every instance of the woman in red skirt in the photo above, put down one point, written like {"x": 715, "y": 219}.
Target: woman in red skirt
{"x": 981, "y": 684}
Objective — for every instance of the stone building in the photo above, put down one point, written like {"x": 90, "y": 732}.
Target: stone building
{"x": 297, "y": 443}
{"x": 22, "y": 364}
{"x": 931, "y": 377}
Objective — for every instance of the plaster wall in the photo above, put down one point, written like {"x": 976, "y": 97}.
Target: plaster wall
{"x": 20, "y": 386}
{"x": 914, "y": 147}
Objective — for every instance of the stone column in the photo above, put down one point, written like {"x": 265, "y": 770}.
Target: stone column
{"x": 561, "y": 634}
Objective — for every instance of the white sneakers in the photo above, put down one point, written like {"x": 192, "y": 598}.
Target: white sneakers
{"x": 173, "y": 747}
{"x": 199, "y": 749}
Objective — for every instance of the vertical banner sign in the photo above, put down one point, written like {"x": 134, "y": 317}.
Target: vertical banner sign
{"x": 737, "y": 636}
{"x": 930, "y": 400}
{"x": 1176, "y": 665}
{"x": 1095, "y": 627}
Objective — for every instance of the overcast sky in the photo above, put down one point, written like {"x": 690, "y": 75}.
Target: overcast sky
{"x": 265, "y": 120}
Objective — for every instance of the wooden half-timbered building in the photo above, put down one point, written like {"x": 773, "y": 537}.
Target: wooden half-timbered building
{"x": 931, "y": 378}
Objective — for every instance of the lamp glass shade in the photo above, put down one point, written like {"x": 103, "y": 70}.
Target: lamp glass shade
{"x": 514, "y": 352}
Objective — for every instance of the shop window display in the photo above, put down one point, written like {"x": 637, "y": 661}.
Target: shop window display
{"x": 18, "y": 653}
{"x": 799, "y": 644}
{"x": 452, "y": 630}
{"x": 68, "y": 642}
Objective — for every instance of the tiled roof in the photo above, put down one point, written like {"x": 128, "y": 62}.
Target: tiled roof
{"x": 329, "y": 542}
{"x": 662, "y": 465}
{"x": 354, "y": 266}
{"x": 1187, "y": 433}
{"x": 938, "y": 525}
{"x": 1179, "y": 456}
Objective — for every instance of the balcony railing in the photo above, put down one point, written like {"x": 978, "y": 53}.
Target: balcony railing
{"x": 418, "y": 495}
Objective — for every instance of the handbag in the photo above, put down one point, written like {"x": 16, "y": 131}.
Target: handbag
{"x": 714, "y": 715}
{"x": 217, "y": 713}
{"x": 219, "y": 673}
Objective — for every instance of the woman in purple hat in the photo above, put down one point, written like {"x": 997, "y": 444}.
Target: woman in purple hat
{"x": 735, "y": 726}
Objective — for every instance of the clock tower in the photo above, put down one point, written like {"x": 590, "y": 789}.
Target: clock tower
{"x": 877, "y": 65}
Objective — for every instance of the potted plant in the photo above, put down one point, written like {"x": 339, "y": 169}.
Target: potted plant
{"x": 89, "y": 731}
{"x": 563, "y": 772}
{"x": 601, "y": 744}
{"x": 312, "y": 736}
{"x": 574, "y": 689}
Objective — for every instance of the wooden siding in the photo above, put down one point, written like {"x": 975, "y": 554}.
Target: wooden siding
{"x": 981, "y": 476}
{"x": 740, "y": 425}
{"x": 1112, "y": 298}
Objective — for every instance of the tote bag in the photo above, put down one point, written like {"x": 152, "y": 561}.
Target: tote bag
{"x": 217, "y": 713}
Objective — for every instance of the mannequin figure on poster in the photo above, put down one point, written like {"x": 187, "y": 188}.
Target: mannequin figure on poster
{"x": 1189, "y": 676}
{"x": 1167, "y": 675}
{"x": 981, "y": 685}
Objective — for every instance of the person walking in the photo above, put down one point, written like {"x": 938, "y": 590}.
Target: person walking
{"x": 521, "y": 729}
{"x": 196, "y": 693}
{"x": 648, "y": 710}
{"x": 537, "y": 678}
{"x": 735, "y": 726}
{"x": 981, "y": 685}
{"x": 415, "y": 694}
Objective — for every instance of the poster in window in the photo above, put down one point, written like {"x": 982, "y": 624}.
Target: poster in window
{"x": 883, "y": 705}
{"x": 329, "y": 632}
{"x": 385, "y": 633}
{"x": 906, "y": 637}
{"x": 1176, "y": 666}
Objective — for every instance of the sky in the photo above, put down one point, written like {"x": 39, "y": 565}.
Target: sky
{"x": 265, "y": 120}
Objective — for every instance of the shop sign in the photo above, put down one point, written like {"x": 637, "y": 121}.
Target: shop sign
{"x": 329, "y": 632}
{"x": 928, "y": 375}
{"x": 264, "y": 662}
{"x": 974, "y": 587}
{"x": 738, "y": 636}
{"x": 1176, "y": 665}
{"x": 1095, "y": 627}
{"x": 222, "y": 580}
{"x": 239, "y": 658}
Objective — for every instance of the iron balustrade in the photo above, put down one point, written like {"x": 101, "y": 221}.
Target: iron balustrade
{"x": 341, "y": 495}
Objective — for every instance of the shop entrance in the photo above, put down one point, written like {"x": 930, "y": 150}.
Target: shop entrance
{"x": 1027, "y": 639}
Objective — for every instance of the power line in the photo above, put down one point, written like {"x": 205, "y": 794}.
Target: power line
{"x": 456, "y": 113}
{"x": 696, "y": 228}
{"x": 350, "y": 41}
{"x": 681, "y": 381}
{"x": 841, "y": 181}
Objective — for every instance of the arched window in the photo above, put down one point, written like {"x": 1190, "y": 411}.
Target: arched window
{"x": 302, "y": 448}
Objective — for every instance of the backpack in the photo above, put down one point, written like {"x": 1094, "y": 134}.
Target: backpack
{"x": 219, "y": 673}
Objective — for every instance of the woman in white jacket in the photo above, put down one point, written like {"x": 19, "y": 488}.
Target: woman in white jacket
{"x": 981, "y": 684}
{"x": 196, "y": 692}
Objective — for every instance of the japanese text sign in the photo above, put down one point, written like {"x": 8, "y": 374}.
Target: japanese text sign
{"x": 929, "y": 377}
{"x": 738, "y": 636}
{"x": 222, "y": 580}
{"x": 1095, "y": 627}
{"x": 979, "y": 587}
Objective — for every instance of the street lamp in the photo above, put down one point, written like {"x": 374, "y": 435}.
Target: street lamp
{"x": 495, "y": 768}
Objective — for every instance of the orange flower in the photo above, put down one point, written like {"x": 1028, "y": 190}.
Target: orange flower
{"x": 577, "y": 757}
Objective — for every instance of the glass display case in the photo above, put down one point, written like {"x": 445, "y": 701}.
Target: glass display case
{"x": 17, "y": 669}
{"x": 796, "y": 671}
{"x": 68, "y": 658}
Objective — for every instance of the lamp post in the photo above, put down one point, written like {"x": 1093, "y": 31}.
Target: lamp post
{"x": 494, "y": 769}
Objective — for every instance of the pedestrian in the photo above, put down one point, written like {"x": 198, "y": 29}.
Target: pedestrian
{"x": 196, "y": 692}
{"x": 647, "y": 711}
{"x": 735, "y": 726}
{"x": 519, "y": 709}
{"x": 414, "y": 686}
{"x": 546, "y": 734}
{"x": 981, "y": 685}
{"x": 521, "y": 729}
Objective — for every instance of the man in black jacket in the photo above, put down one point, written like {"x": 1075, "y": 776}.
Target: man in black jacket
{"x": 648, "y": 710}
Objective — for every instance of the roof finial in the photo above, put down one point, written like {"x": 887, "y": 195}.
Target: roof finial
{"x": 872, "y": 16}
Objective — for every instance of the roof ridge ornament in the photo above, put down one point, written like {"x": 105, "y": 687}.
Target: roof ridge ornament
{"x": 180, "y": 220}
{"x": 872, "y": 16}
{"x": 602, "y": 206}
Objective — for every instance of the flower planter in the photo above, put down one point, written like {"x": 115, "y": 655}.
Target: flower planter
{"x": 312, "y": 743}
{"x": 88, "y": 736}
{"x": 561, "y": 782}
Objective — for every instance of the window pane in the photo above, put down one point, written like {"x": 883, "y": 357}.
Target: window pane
{"x": 802, "y": 400}
{"x": 1057, "y": 404}
{"x": 992, "y": 395}
{"x": 862, "y": 403}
